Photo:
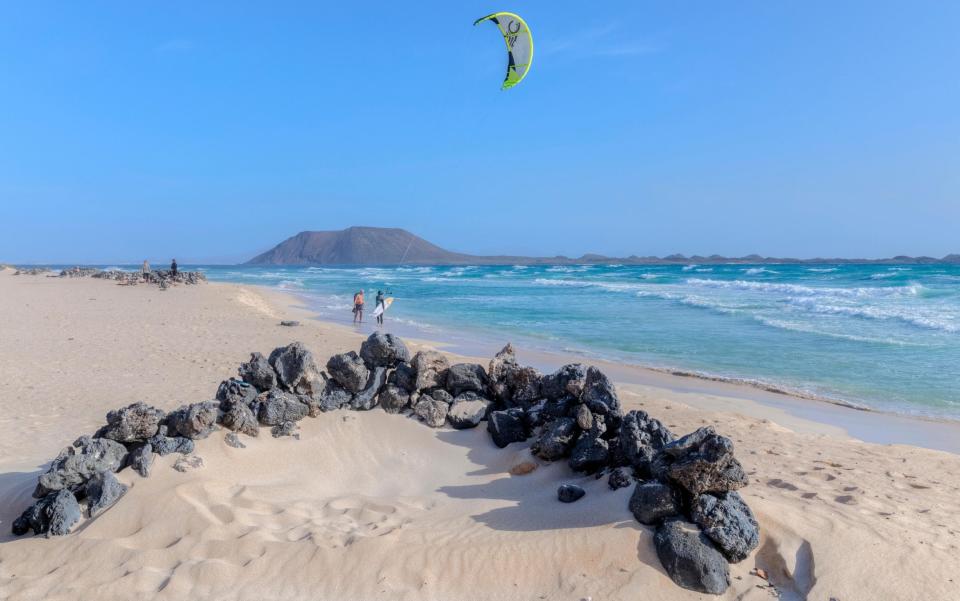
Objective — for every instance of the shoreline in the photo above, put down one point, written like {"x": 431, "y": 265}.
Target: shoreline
{"x": 790, "y": 408}
{"x": 324, "y": 515}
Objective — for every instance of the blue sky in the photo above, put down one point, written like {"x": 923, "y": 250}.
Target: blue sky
{"x": 210, "y": 131}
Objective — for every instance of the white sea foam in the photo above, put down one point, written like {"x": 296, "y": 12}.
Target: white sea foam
{"x": 758, "y": 270}
{"x": 689, "y": 267}
{"x": 914, "y": 317}
{"x": 795, "y": 289}
{"x": 821, "y": 269}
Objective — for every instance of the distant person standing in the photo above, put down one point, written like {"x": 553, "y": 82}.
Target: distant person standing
{"x": 173, "y": 268}
{"x": 358, "y": 307}
{"x": 145, "y": 269}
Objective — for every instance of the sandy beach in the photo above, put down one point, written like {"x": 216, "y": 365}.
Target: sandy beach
{"x": 367, "y": 505}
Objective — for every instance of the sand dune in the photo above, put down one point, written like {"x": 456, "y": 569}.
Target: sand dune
{"x": 368, "y": 505}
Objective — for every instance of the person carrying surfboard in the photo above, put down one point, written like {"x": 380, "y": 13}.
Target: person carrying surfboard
{"x": 381, "y": 306}
{"x": 358, "y": 307}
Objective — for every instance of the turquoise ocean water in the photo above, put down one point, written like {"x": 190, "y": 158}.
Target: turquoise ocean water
{"x": 883, "y": 337}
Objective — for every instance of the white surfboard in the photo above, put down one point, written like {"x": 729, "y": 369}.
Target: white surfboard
{"x": 381, "y": 308}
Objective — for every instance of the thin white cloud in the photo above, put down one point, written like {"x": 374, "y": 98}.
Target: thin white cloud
{"x": 598, "y": 41}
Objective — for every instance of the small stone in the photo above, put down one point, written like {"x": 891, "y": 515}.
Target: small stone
{"x": 234, "y": 441}
{"x": 568, "y": 493}
{"x": 188, "y": 462}
{"x": 285, "y": 429}
{"x": 523, "y": 468}
{"x": 290, "y": 323}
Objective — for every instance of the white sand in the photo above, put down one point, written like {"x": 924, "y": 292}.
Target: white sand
{"x": 376, "y": 506}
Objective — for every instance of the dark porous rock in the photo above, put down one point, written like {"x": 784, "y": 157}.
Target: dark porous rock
{"x": 568, "y": 380}
{"x": 584, "y": 417}
{"x": 296, "y": 370}
{"x": 564, "y": 406}
{"x": 78, "y": 463}
{"x": 102, "y": 491}
{"x": 188, "y": 463}
{"x": 164, "y": 445}
{"x": 62, "y": 513}
{"x": 431, "y": 369}
{"x": 366, "y": 399}
{"x": 568, "y": 493}
{"x": 240, "y": 418}
{"x": 500, "y": 366}
{"x": 556, "y": 439}
{"x": 507, "y": 426}
{"x": 258, "y": 373}
{"x": 533, "y": 415}
{"x": 466, "y": 377}
{"x": 349, "y": 371}
{"x": 599, "y": 394}
{"x": 441, "y": 395}
{"x": 383, "y": 350}
{"x": 312, "y": 401}
{"x": 620, "y": 477}
{"x": 701, "y": 462}
{"x": 467, "y": 410}
{"x": 134, "y": 423}
{"x": 277, "y": 407}
{"x": 690, "y": 558}
{"x": 54, "y": 515}
{"x": 523, "y": 384}
{"x": 334, "y": 397}
{"x": 289, "y": 323}
{"x": 404, "y": 376}
{"x": 285, "y": 429}
{"x": 232, "y": 392}
{"x": 651, "y": 502}
{"x": 729, "y": 523}
{"x": 431, "y": 411}
{"x": 194, "y": 421}
{"x": 393, "y": 399}
{"x": 591, "y": 452}
{"x": 641, "y": 438}
{"x": 231, "y": 439}
{"x": 140, "y": 459}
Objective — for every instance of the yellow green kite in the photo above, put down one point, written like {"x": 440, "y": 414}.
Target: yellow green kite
{"x": 519, "y": 45}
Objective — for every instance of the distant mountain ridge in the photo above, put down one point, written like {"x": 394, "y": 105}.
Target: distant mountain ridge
{"x": 359, "y": 246}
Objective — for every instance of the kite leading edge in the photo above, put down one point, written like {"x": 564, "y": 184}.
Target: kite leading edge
{"x": 519, "y": 42}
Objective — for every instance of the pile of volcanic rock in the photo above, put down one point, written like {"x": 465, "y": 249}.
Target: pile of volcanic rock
{"x": 31, "y": 271}
{"x": 159, "y": 277}
{"x": 684, "y": 487}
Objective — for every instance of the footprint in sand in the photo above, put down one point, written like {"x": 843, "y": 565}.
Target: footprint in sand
{"x": 846, "y": 499}
{"x": 778, "y": 483}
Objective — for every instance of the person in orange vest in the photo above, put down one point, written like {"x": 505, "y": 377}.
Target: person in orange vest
{"x": 358, "y": 307}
